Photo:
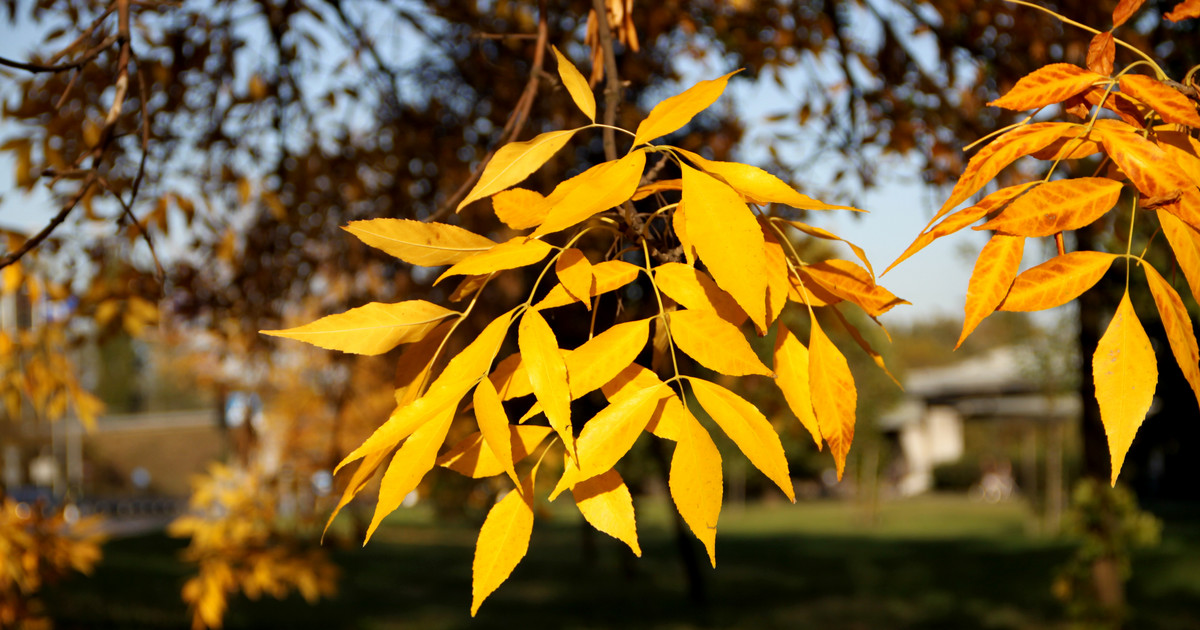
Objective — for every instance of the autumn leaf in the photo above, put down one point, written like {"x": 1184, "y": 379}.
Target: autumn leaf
{"x": 1184, "y": 10}
{"x": 1046, "y": 86}
{"x": 791, "y": 370}
{"x": 503, "y": 542}
{"x": 834, "y": 396}
{"x": 358, "y": 481}
{"x": 696, "y": 484}
{"x": 611, "y": 433}
{"x": 410, "y": 463}
{"x": 1125, "y": 373}
{"x": 822, "y": 233}
{"x": 473, "y": 456}
{"x": 575, "y": 275}
{"x": 666, "y": 420}
{"x": 1102, "y": 51}
{"x": 679, "y": 224}
{"x": 749, "y": 430}
{"x": 418, "y": 243}
{"x": 520, "y": 209}
{"x": 1057, "y": 206}
{"x": 1124, "y": 10}
{"x": 675, "y": 112}
{"x": 494, "y": 426}
{"x": 514, "y": 162}
{"x": 653, "y": 188}
{"x": 1178, "y": 326}
{"x": 853, "y": 283}
{"x": 595, "y": 190}
{"x": 512, "y": 254}
{"x": 715, "y": 343}
{"x": 371, "y": 329}
{"x": 756, "y": 185}
{"x": 696, "y": 290}
{"x": 416, "y": 363}
{"x": 729, "y": 241}
{"x": 1185, "y": 243}
{"x": 547, "y": 373}
{"x": 779, "y": 275}
{"x": 609, "y": 275}
{"x": 1056, "y": 281}
{"x": 993, "y": 275}
{"x": 1172, "y": 106}
{"x": 1151, "y": 170}
{"x": 605, "y": 502}
{"x": 576, "y": 85}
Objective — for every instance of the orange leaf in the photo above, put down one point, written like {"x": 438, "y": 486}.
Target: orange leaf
{"x": 512, "y": 254}
{"x": 1185, "y": 243}
{"x": 1117, "y": 103}
{"x": 605, "y": 502}
{"x": 791, "y": 370}
{"x": 609, "y": 275}
{"x": 1001, "y": 152}
{"x": 749, "y": 429}
{"x": 547, "y": 373}
{"x": 519, "y": 208}
{"x": 853, "y": 283}
{"x": 1046, "y": 86}
{"x": 715, "y": 343}
{"x": 696, "y": 290}
{"x": 1126, "y": 373}
{"x": 1125, "y": 9}
{"x": 821, "y": 233}
{"x": 1151, "y": 170}
{"x": 1172, "y": 106}
{"x": 1056, "y": 281}
{"x": 503, "y": 542}
{"x": 696, "y": 484}
{"x": 1178, "y": 326}
{"x": 1184, "y": 10}
{"x": 1057, "y": 206}
{"x": 1101, "y": 53}
{"x": 834, "y": 396}
{"x": 1068, "y": 149}
{"x": 410, "y": 463}
{"x": 993, "y": 275}
{"x": 729, "y": 241}
{"x": 575, "y": 275}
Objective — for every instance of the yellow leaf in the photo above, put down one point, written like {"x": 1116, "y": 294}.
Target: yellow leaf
{"x": 1048, "y": 85}
{"x": 611, "y": 433}
{"x": 416, "y": 364}
{"x": 817, "y": 232}
{"x": 512, "y": 254}
{"x": 595, "y": 190}
{"x": 1056, "y": 281}
{"x": 510, "y": 378}
{"x": 854, "y": 284}
{"x": 371, "y": 329}
{"x": 791, "y": 376}
{"x": 675, "y": 112}
{"x": 575, "y": 275}
{"x": 503, "y": 542}
{"x": 729, "y": 241}
{"x": 715, "y": 343}
{"x": 605, "y": 502}
{"x": 652, "y": 188}
{"x": 679, "y": 224}
{"x": 667, "y": 419}
{"x": 1185, "y": 243}
{"x": 358, "y": 481}
{"x": 514, "y": 162}
{"x": 695, "y": 482}
{"x": 547, "y": 373}
{"x": 758, "y": 186}
{"x": 473, "y": 457}
{"x": 460, "y": 375}
{"x": 1125, "y": 373}
{"x": 418, "y": 243}
{"x": 1178, "y": 326}
{"x": 609, "y": 275}
{"x": 519, "y": 208}
{"x": 1057, "y": 206}
{"x": 749, "y": 429}
{"x": 696, "y": 290}
{"x": 494, "y": 426}
{"x": 410, "y": 463}
{"x": 994, "y": 272}
{"x": 577, "y": 86}
{"x": 1171, "y": 105}
{"x": 834, "y": 396}
{"x": 779, "y": 275}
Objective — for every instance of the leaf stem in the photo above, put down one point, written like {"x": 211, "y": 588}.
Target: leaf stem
{"x": 662, "y": 312}
{"x": 1066, "y": 20}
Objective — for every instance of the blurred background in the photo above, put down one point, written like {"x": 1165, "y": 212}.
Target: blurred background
{"x": 193, "y": 173}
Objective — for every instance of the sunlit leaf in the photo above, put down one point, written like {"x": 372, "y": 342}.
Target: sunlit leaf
{"x": 1102, "y": 51}
{"x": 605, "y": 501}
{"x": 494, "y": 426}
{"x": 749, "y": 430}
{"x": 667, "y": 419}
{"x": 576, "y": 85}
{"x": 834, "y": 396}
{"x": 758, "y": 186}
{"x": 416, "y": 364}
{"x": 503, "y": 542}
{"x": 1152, "y": 171}
{"x": 662, "y": 185}
{"x": 609, "y": 275}
{"x": 779, "y": 275}
{"x": 853, "y": 283}
{"x": 994, "y": 272}
{"x": 597, "y": 189}
{"x": 1046, "y": 86}
{"x": 822, "y": 233}
{"x": 611, "y": 433}
{"x": 1171, "y": 105}
{"x": 695, "y": 290}
{"x": 575, "y": 275}
{"x": 1057, "y": 206}
{"x": 1185, "y": 244}
{"x": 371, "y": 329}
{"x": 547, "y": 373}
{"x": 410, "y": 463}
{"x": 1184, "y": 10}
{"x": 514, "y": 162}
{"x": 729, "y": 241}
{"x": 1178, "y": 326}
{"x": 1125, "y": 373}
{"x": 358, "y": 481}
{"x": 1124, "y": 10}
{"x": 791, "y": 376}
{"x": 675, "y": 112}
{"x": 679, "y": 224}
{"x": 517, "y": 252}
{"x": 418, "y": 243}
{"x": 1056, "y": 281}
{"x": 473, "y": 456}
{"x": 696, "y": 484}
{"x": 715, "y": 343}
{"x": 519, "y": 208}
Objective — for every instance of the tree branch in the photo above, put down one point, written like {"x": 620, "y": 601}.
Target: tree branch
{"x": 37, "y": 239}
{"x": 612, "y": 83}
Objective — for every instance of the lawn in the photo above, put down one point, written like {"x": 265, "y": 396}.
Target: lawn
{"x": 933, "y": 562}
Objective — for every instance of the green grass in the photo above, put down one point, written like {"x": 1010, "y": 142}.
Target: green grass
{"x": 934, "y": 562}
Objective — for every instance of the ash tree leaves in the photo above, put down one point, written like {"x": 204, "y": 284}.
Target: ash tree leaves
{"x": 723, "y": 260}
{"x": 1152, "y": 159}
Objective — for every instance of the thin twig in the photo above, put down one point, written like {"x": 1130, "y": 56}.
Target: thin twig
{"x": 128, "y": 212}
{"x": 37, "y": 239}
{"x": 38, "y": 68}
